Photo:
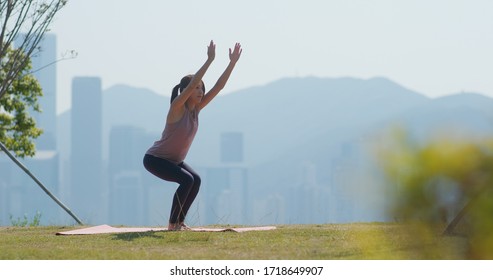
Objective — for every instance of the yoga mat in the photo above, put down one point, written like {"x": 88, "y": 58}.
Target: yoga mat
{"x": 101, "y": 229}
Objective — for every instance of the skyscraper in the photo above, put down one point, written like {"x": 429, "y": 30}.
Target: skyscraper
{"x": 20, "y": 194}
{"x": 44, "y": 69}
{"x": 231, "y": 147}
{"x": 87, "y": 189}
{"x": 227, "y": 196}
{"x": 127, "y": 203}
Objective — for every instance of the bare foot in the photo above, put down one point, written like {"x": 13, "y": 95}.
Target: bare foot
{"x": 185, "y": 227}
{"x": 174, "y": 227}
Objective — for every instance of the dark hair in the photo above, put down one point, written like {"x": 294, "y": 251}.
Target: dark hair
{"x": 182, "y": 85}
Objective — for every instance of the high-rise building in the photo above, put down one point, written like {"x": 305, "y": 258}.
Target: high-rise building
{"x": 232, "y": 147}
{"x": 44, "y": 69}
{"x": 127, "y": 146}
{"x": 227, "y": 197}
{"x": 87, "y": 188}
{"x": 20, "y": 195}
{"x": 127, "y": 203}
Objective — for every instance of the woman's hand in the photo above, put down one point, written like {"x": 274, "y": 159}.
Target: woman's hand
{"x": 236, "y": 53}
{"x": 211, "y": 51}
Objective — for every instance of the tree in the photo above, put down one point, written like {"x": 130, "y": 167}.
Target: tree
{"x": 25, "y": 22}
{"x": 17, "y": 128}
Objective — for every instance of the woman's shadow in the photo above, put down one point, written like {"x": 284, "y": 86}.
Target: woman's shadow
{"x": 130, "y": 236}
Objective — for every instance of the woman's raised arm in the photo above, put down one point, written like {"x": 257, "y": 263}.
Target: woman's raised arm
{"x": 197, "y": 78}
{"x": 234, "y": 56}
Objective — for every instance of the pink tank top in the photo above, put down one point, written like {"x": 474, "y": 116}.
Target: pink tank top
{"x": 176, "y": 138}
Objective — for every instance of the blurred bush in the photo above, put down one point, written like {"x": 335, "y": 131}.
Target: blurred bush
{"x": 443, "y": 186}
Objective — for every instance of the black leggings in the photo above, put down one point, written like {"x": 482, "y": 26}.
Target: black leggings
{"x": 182, "y": 174}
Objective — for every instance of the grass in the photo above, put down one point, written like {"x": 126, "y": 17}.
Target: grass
{"x": 287, "y": 242}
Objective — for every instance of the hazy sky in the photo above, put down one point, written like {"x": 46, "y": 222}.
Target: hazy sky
{"x": 436, "y": 47}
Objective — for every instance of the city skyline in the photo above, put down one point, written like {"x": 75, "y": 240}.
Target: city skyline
{"x": 309, "y": 196}
{"x": 237, "y": 189}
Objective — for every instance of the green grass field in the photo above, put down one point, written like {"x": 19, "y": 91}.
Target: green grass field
{"x": 287, "y": 242}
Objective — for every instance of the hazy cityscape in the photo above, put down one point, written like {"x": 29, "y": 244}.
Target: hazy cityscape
{"x": 295, "y": 151}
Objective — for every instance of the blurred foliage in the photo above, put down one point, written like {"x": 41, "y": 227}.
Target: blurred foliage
{"x": 444, "y": 186}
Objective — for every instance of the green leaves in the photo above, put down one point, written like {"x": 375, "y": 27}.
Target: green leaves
{"x": 445, "y": 181}
{"x": 17, "y": 127}
{"x": 24, "y": 24}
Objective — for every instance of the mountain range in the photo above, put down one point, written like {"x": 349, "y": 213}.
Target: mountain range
{"x": 287, "y": 113}
{"x": 304, "y": 134}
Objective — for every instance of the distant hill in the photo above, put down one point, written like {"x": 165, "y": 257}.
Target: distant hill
{"x": 335, "y": 170}
{"x": 307, "y": 141}
{"x": 125, "y": 105}
{"x": 281, "y": 115}
{"x": 287, "y": 113}
{"x": 459, "y": 115}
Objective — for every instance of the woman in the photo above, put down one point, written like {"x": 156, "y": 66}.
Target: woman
{"x": 165, "y": 159}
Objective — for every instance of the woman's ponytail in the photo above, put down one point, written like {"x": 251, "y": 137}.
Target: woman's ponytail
{"x": 181, "y": 86}
{"x": 174, "y": 93}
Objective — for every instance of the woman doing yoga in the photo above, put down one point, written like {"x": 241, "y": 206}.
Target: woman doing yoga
{"x": 165, "y": 159}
